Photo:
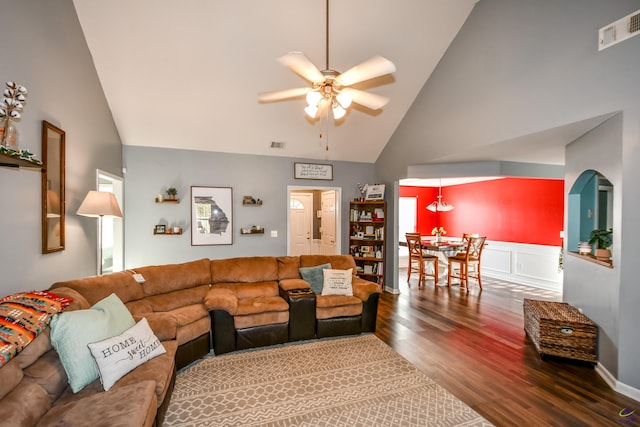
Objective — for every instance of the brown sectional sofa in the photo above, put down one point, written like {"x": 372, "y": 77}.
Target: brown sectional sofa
{"x": 242, "y": 302}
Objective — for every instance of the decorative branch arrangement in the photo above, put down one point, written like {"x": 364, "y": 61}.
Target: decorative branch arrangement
{"x": 10, "y": 107}
{"x": 12, "y": 103}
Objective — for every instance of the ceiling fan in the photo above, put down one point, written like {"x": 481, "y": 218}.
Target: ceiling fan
{"x": 329, "y": 88}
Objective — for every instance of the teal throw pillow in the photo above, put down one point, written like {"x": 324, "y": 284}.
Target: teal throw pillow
{"x": 72, "y": 331}
{"x": 314, "y": 276}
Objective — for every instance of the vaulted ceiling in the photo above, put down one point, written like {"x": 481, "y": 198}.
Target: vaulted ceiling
{"x": 186, "y": 74}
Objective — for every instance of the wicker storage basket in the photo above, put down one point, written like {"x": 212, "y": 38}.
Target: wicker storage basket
{"x": 559, "y": 329}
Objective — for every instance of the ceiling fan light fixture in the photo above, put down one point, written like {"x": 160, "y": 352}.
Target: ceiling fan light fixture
{"x": 338, "y": 112}
{"x": 313, "y": 97}
{"x": 329, "y": 88}
{"x": 344, "y": 98}
{"x": 311, "y": 111}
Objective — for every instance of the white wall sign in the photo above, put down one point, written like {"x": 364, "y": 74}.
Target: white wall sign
{"x": 313, "y": 171}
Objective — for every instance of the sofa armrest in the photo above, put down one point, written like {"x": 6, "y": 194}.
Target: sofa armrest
{"x": 164, "y": 325}
{"x": 221, "y": 299}
{"x": 364, "y": 288}
{"x": 289, "y": 284}
{"x": 370, "y": 313}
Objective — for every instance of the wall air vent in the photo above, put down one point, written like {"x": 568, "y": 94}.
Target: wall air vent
{"x": 277, "y": 144}
{"x": 620, "y": 30}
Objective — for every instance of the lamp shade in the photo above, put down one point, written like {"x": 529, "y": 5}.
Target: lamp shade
{"x": 99, "y": 203}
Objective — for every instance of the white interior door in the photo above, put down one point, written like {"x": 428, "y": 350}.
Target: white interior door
{"x": 328, "y": 221}
{"x": 300, "y": 217}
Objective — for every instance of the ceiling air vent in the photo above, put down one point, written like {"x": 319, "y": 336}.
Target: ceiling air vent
{"x": 277, "y": 144}
{"x": 620, "y": 30}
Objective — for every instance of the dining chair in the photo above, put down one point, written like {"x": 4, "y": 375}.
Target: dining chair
{"x": 465, "y": 241}
{"x": 419, "y": 260}
{"x": 467, "y": 264}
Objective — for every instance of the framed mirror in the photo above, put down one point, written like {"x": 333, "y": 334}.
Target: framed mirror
{"x": 53, "y": 158}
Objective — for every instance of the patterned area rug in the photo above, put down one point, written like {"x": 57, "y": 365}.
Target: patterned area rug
{"x": 355, "y": 381}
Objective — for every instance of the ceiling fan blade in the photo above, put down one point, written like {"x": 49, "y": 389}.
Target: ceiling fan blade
{"x": 278, "y": 95}
{"x": 369, "y": 69}
{"x": 368, "y": 99}
{"x": 301, "y": 65}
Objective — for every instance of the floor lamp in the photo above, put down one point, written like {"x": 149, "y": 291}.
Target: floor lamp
{"x": 99, "y": 204}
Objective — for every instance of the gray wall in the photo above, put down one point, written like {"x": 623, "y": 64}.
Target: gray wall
{"x": 518, "y": 67}
{"x": 591, "y": 287}
{"x": 43, "y": 48}
{"x": 151, "y": 170}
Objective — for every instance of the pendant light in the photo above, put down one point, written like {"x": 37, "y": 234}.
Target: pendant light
{"x": 438, "y": 205}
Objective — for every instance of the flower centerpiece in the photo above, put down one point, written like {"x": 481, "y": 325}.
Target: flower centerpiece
{"x": 438, "y": 232}
{"x": 11, "y": 106}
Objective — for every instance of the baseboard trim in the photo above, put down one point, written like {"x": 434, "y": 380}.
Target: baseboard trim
{"x": 616, "y": 385}
{"x": 393, "y": 291}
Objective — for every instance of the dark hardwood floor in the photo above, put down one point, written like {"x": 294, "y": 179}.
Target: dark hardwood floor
{"x": 474, "y": 345}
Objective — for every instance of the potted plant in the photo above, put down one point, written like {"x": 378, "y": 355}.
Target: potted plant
{"x": 603, "y": 239}
{"x": 172, "y": 192}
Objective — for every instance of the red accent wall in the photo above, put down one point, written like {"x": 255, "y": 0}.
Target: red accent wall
{"x": 517, "y": 210}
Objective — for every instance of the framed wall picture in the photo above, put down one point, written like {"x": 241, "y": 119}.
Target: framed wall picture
{"x": 211, "y": 216}
{"x": 313, "y": 171}
{"x": 160, "y": 229}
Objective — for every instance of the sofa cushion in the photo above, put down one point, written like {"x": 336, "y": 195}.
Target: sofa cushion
{"x": 189, "y": 332}
{"x": 288, "y": 267}
{"x": 119, "y": 355}
{"x": 176, "y": 299}
{"x": 331, "y": 306}
{"x": 250, "y": 290}
{"x": 164, "y": 325}
{"x": 35, "y": 350}
{"x": 160, "y": 370}
{"x": 10, "y": 377}
{"x": 244, "y": 270}
{"x": 14, "y": 411}
{"x": 340, "y": 262}
{"x": 49, "y": 374}
{"x": 79, "y": 302}
{"x": 72, "y": 331}
{"x": 133, "y": 405}
{"x": 260, "y": 319}
{"x": 97, "y": 288}
{"x": 23, "y": 316}
{"x": 326, "y": 301}
{"x": 261, "y": 305}
{"x": 337, "y": 282}
{"x": 163, "y": 279}
{"x": 139, "y": 307}
{"x": 314, "y": 276}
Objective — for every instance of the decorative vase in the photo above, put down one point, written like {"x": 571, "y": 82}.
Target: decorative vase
{"x": 9, "y": 134}
{"x": 438, "y": 237}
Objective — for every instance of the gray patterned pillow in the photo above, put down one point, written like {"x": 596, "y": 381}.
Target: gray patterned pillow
{"x": 314, "y": 276}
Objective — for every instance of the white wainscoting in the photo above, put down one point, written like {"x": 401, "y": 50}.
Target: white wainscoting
{"x": 534, "y": 265}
